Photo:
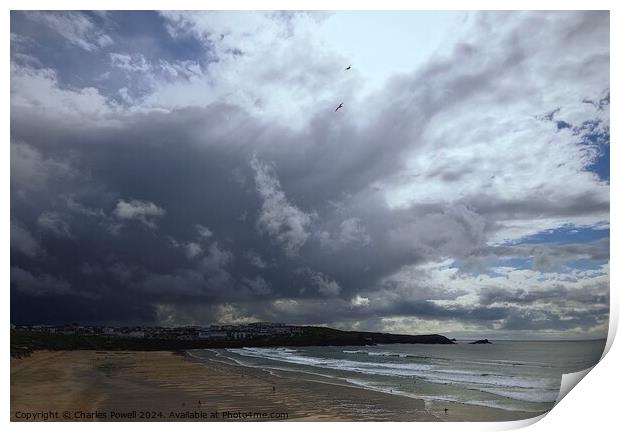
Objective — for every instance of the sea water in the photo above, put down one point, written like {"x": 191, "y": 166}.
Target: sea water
{"x": 510, "y": 375}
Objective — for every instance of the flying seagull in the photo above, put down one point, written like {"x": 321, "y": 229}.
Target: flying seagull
{"x": 348, "y": 68}
{"x": 339, "y": 106}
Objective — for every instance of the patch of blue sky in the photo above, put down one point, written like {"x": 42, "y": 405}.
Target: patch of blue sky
{"x": 586, "y": 264}
{"x": 591, "y": 135}
{"x": 132, "y": 32}
{"x": 488, "y": 268}
{"x": 565, "y": 235}
{"x": 601, "y": 165}
{"x": 146, "y": 32}
{"x": 516, "y": 263}
{"x": 527, "y": 263}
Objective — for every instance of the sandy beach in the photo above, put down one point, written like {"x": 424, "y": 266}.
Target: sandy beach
{"x": 166, "y": 386}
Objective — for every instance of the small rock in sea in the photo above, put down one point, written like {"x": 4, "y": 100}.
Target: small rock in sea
{"x": 481, "y": 341}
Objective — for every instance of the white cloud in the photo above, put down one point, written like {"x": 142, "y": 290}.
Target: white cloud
{"x": 499, "y": 154}
{"x": 300, "y": 79}
{"x": 142, "y": 211}
{"x": 130, "y": 63}
{"x": 75, "y": 27}
{"x": 39, "y": 90}
{"x": 288, "y": 306}
{"x": 359, "y": 301}
{"x": 483, "y": 136}
{"x": 231, "y": 314}
{"x": 326, "y": 287}
{"x": 526, "y": 292}
{"x": 285, "y": 222}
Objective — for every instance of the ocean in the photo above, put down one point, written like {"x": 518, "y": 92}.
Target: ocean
{"x": 510, "y": 375}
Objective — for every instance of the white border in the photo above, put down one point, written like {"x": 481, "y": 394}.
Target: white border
{"x": 590, "y": 407}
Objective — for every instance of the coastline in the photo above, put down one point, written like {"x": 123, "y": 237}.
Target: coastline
{"x": 168, "y": 386}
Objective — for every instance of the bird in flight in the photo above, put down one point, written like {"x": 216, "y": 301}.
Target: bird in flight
{"x": 339, "y": 106}
{"x": 348, "y": 68}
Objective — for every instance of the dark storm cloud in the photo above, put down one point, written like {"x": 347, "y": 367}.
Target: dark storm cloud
{"x": 176, "y": 212}
{"x": 123, "y": 171}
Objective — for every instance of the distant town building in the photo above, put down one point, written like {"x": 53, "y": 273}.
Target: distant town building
{"x": 212, "y": 332}
{"x": 136, "y": 334}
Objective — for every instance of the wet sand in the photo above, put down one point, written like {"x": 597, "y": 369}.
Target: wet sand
{"x": 164, "y": 386}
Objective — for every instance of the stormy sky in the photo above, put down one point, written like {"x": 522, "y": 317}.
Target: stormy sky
{"x": 188, "y": 168}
